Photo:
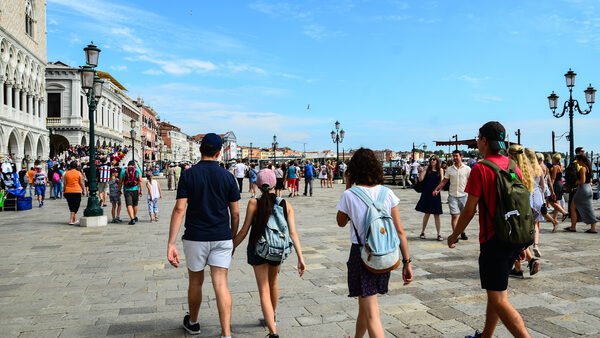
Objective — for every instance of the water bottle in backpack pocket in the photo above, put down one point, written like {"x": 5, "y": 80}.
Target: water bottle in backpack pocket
{"x": 381, "y": 251}
{"x": 275, "y": 244}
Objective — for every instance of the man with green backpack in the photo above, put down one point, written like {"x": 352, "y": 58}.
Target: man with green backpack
{"x": 505, "y": 226}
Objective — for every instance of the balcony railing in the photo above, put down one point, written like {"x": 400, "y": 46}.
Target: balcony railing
{"x": 54, "y": 121}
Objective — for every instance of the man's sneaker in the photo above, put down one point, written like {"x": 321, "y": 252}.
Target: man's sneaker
{"x": 191, "y": 329}
{"x": 132, "y": 222}
{"x": 477, "y": 334}
{"x": 273, "y": 335}
{"x": 536, "y": 251}
{"x": 115, "y": 221}
{"x": 464, "y": 237}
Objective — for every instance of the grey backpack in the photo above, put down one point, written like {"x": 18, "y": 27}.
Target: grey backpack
{"x": 275, "y": 243}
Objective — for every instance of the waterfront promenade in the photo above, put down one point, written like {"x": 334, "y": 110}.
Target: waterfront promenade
{"x": 58, "y": 280}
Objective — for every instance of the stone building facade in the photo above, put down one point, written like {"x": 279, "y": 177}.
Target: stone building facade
{"x": 23, "y": 133}
{"x": 68, "y": 114}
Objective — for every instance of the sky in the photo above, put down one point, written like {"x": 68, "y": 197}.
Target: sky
{"x": 391, "y": 72}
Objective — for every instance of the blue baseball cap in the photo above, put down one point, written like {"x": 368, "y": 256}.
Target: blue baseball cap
{"x": 212, "y": 140}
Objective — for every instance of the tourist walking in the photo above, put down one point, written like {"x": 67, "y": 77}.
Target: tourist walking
{"x": 31, "y": 176}
{"x": 556, "y": 177}
{"x": 103, "y": 178}
{"x": 430, "y": 203}
{"x": 406, "y": 175}
{"x": 154, "y": 194}
{"x": 177, "y": 174}
{"x": 415, "y": 169}
{"x": 74, "y": 185}
{"x": 365, "y": 171}
{"x": 240, "y": 170}
{"x": 537, "y": 196}
{"x": 309, "y": 174}
{"x": 252, "y": 179}
{"x": 114, "y": 194}
{"x": 292, "y": 176}
{"x": 323, "y": 175}
{"x": 582, "y": 201}
{"x": 130, "y": 182}
{"x": 207, "y": 197}
{"x": 330, "y": 169}
{"x": 258, "y": 214}
{"x": 279, "y": 176}
{"x": 171, "y": 176}
{"x": 496, "y": 258}
{"x": 457, "y": 174}
{"x": 41, "y": 179}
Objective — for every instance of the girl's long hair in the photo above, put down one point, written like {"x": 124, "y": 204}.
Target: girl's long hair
{"x": 533, "y": 160}
{"x": 264, "y": 209}
{"x": 516, "y": 153}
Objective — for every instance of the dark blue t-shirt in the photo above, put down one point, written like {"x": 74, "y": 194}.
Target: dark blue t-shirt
{"x": 209, "y": 189}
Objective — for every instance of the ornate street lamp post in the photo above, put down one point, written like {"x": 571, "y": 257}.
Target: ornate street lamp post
{"x": 132, "y": 133}
{"x": 338, "y": 137}
{"x": 419, "y": 146}
{"x": 93, "y": 85}
{"x": 571, "y": 106}
{"x": 275, "y": 144}
{"x": 250, "y": 153}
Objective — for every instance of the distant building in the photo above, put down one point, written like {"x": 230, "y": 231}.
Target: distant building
{"x": 23, "y": 133}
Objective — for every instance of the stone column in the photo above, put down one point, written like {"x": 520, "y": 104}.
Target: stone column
{"x": 30, "y": 109}
{"x": 1, "y": 90}
{"x": 9, "y": 94}
{"x": 17, "y": 97}
{"x": 23, "y": 101}
{"x": 34, "y": 105}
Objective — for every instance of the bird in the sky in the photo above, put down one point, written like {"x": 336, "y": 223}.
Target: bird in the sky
{"x": 308, "y": 107}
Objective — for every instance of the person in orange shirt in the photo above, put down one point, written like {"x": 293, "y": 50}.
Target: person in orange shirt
{"x": 31, "y": 175}
{"x": 74, "y": 187}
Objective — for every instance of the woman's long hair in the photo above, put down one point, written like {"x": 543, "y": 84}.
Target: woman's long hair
{"x": 516, "y": 153}
{"x": 437, "y": 165}
{"x": 583, "y": 161}
{"x": 264, "y": 209}
{"x": 364, "y": 168}
{"x": 535, "y": 164}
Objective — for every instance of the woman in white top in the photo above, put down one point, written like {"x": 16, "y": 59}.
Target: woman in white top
{"x": 366, "y": 172}
{"x": 154, "y": 193}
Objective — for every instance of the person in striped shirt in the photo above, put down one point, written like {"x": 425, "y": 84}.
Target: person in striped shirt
{"x": 103, "y": 178}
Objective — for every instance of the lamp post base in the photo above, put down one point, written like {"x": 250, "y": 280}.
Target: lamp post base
{"x": 93, "y": 221}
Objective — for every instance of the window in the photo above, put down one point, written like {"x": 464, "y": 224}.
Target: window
{"x": 29, "y": 18}
{"x": 81, "y": 105}
{"x": 54, "y": 106}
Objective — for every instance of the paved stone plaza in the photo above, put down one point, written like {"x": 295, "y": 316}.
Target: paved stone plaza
{"x": 58, "y": 280}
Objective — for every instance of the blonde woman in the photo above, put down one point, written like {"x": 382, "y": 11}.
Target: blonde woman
{"x": 330, "y": 168}
{"x": 537, "y": 196}
{"x": 556, "y": 175}
{"x": 549, "y": 193}
{"x": 516, "y": 152}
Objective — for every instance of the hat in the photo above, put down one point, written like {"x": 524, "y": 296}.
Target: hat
{"x": 212, "y": 140}
{"x": 266, "y": 178}
{"x": 495, "y": 133}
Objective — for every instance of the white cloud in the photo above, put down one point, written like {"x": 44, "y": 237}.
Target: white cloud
{"x": 488, "y": 98}
{"x": 238, "y": 68}
{"x": 118, "y": 68}
{"x": 315, "y": 31}
{"x": 153, "y": 72}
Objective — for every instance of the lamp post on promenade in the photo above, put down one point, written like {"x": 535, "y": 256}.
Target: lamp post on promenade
{"x": 274, "y": 144}
{"x": 132, "y": 133}
{"x": 93, "y": 86}
{"x": 571, "y": 106}
{"x": 250, "y": 153}
{"x": 415, "y": 148}
{"x": 455, "y": 137}
{"x": 337, "y": 137}
{"x": 557, "y": 138}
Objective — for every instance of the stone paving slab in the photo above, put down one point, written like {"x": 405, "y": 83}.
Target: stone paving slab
{"x": 58, "y": 280}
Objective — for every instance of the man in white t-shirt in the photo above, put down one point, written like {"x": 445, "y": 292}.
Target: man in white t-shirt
{"x": 406, "y": 175}
{"x": 457, "y": 175}
{"x": 239, "y": 171}
{"x": 414, "y": 171}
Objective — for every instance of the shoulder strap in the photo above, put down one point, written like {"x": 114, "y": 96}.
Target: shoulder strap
{"x": 383, "y": 192}
{"x": 493, "y": 165}
{"x": 281, "y": 202}
{"x": 362, "y": 195}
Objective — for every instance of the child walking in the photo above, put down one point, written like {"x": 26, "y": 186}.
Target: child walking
{"x": 154, "y": 193}
{"x": 265, "y": 271}
{"x": 114, "y": 195}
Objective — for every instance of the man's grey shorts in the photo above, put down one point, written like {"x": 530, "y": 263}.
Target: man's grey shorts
{"x": 456, "y": 204}
{"x": 102, "y": 187}
{"x": 200, "y": 254}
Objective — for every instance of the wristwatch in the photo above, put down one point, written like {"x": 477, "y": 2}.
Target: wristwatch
{"x": 406, "y": 261}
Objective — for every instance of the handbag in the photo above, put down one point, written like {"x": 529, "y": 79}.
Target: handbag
{"x": 418, "y": 186}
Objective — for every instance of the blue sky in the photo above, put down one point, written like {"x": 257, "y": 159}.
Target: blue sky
{"x": 392, "y": 72}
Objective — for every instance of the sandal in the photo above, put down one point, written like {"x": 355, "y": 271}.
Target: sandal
{"x": 564, "y": 217}
{"x": 568, "y": 229}
{"x": 422, "y": 235}
{"x": 590, "y": 231}
{"x": 534, "y": 266}
{"x": 440, "y": 238}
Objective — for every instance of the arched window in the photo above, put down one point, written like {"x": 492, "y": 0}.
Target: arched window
{"x": 29, "y": 18}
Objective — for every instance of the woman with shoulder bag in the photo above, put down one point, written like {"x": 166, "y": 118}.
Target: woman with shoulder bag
{"x": 430, "y": 204}
{"x": 265, "y": 271}
{"x": 366, "y": 172}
